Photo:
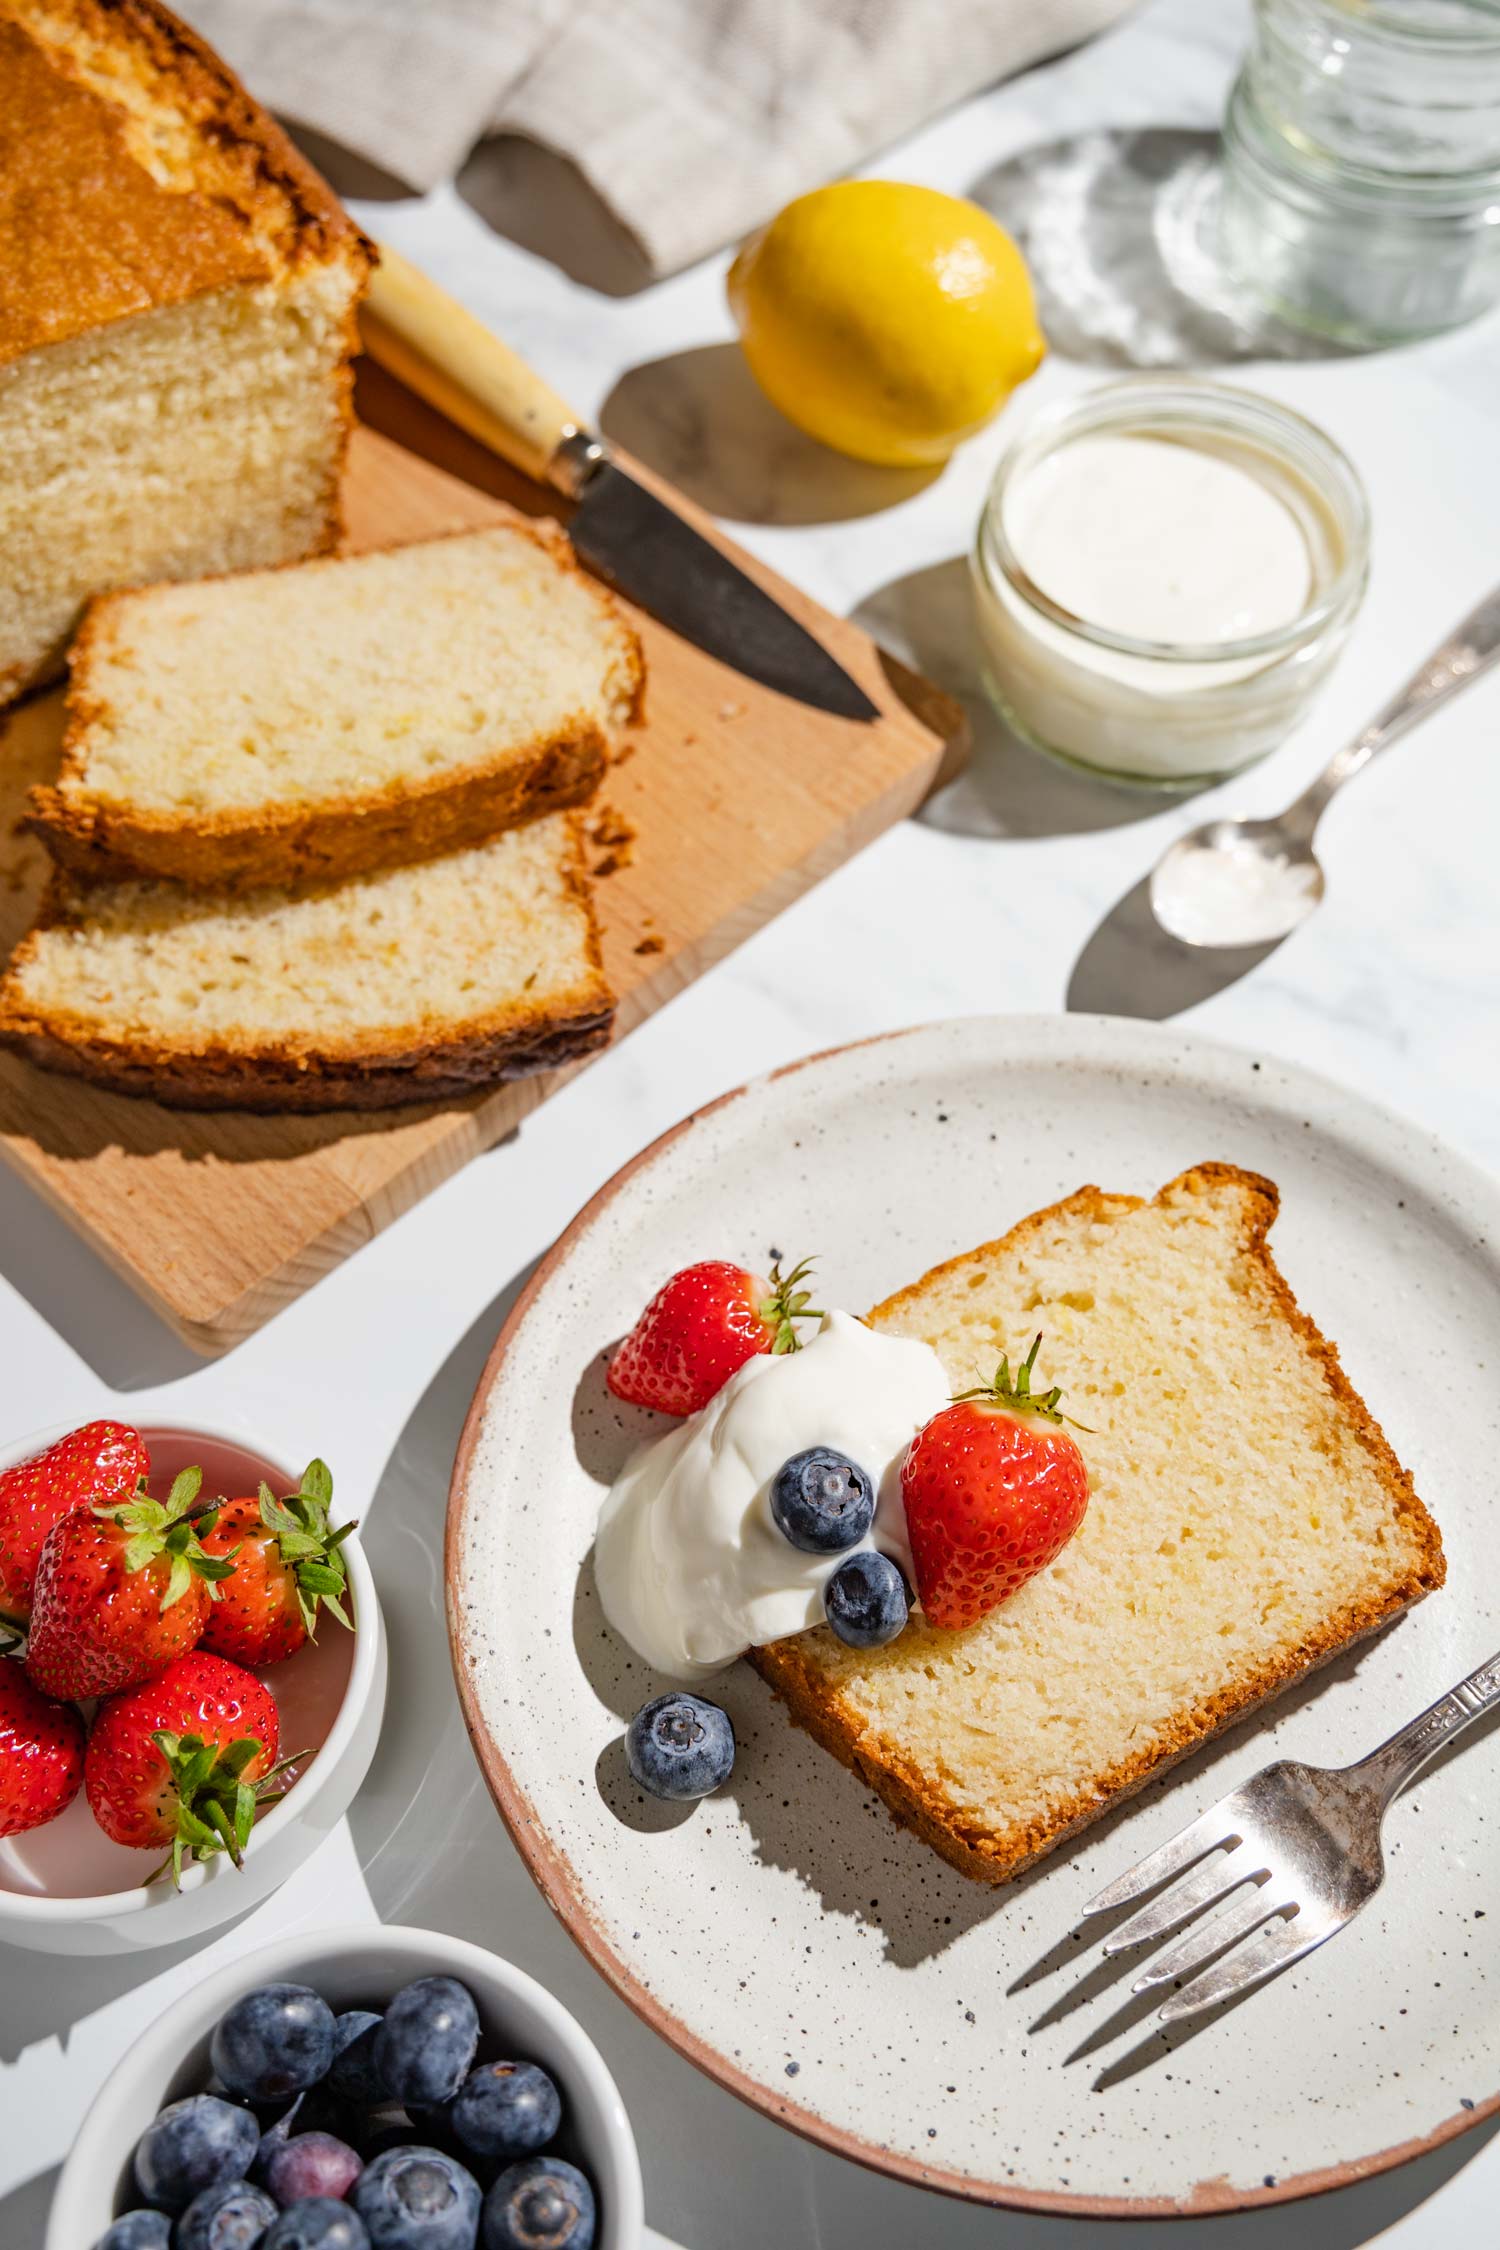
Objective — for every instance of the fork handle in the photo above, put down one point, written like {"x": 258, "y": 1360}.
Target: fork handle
{"x": 1399, "y": 1760}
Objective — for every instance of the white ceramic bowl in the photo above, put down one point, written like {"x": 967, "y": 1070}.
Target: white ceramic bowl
{"x": 354, "y": 1968}
{"x": 66, "y": 1888}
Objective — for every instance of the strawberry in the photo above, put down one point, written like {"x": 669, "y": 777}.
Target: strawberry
{"x": 184, "y": 1761}
{"x": 700, "y": 1327}
{"x": 101, "y": 1462}
{"x": 119, "y": 1592}
{"x": 994, "y": 1489}
{"x": 41, "y": 1754}
{"x": 288, "y": 1562}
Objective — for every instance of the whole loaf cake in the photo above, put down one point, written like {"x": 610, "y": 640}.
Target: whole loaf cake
{"x": 177, "y": 319}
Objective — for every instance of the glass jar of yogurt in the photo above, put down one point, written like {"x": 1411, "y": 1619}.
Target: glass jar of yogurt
{"x": 1164, "y": 574}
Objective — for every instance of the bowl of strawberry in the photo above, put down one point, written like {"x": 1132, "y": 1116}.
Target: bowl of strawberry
{"x": 378, "y": 2089}
{"x": 192, "y": 1676}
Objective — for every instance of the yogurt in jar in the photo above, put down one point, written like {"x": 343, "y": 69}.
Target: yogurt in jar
{"x": 1164, "y": 574}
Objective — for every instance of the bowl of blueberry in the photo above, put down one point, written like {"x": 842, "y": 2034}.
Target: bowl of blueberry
{"x": 384, "y": 2089}
{"x": 192, "y": 1680}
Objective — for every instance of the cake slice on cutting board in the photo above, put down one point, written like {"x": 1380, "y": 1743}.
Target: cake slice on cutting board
{"x": 1247, "y": 1521}
{"x": 342, "y": 715}
{"x": 411, "y": 985}
{"x": 176, "y": 323}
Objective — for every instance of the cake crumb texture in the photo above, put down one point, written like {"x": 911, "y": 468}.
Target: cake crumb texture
{"x": 322, "y": 720}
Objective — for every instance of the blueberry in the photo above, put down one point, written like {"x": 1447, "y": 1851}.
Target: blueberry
{"x": 137, "y": 2230}
{"x": 680, "y": 1746}
{"x": 506, "y": 2109}
{"x": 823, "y": 1502}
{"x": 425, "y": 2047}
{"x": 418, "y": 2199}
{"x": 232, "y": 2216}
{"x": 352, "y": 2072}
{"x": 867, "y": 1600}
{"x": 311, "y": 2164}
{"x": 193, "y": 2145}
{"x": 273, "y": 2042}
{"x": 539, "y": 2204}
{"x": 319, "y": 2224}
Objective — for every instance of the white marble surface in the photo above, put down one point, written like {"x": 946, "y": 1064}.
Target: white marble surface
{"x": 1019, "y": 888}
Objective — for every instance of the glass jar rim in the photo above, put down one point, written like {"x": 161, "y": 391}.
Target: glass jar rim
{"x": 1204, "y": 405}
{"x": 1366, "y": 16}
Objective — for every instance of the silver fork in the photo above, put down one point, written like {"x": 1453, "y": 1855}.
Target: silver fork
{"x": 1307, "y": 1841}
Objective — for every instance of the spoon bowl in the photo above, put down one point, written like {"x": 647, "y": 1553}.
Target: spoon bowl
{"x": 1248, "y": 883}
{"x": 1236, "y": 883}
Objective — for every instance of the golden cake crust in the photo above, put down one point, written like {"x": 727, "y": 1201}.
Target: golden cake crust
{"x": 911, "y": 1794}
{"x": 136, "y": 172}
{"x": 414, "y": 819}
{"x": 384, "y": 1069}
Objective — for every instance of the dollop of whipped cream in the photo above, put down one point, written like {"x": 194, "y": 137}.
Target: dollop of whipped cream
{"x": 691, "y": 1567}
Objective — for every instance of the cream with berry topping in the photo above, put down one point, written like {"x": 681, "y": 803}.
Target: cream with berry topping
{"x": 691, "y": 1567}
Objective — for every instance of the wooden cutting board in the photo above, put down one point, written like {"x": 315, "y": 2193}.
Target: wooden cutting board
{"x": 731, "y": 802}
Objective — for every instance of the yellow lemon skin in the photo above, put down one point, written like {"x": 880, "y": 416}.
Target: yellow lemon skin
{"x": 890, "y": 321}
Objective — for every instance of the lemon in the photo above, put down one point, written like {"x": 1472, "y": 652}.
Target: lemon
{"x": 888, "y": 320}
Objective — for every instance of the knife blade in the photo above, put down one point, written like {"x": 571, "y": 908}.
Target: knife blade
{"x": 638, "y": 544}
{"x": 619, "y": 528}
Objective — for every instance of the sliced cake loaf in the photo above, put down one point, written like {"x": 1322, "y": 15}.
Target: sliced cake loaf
{"x": 1247, "y": 1521}
{"x": 177, "y": 319}
{"x": 320, "y": 721}
{"x": 411, "y": 985}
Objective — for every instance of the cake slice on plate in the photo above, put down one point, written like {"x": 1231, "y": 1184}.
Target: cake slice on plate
{"x": 176, "y": 322}
{"x": 416, "y": 984}
{"x": 1247, "y": 1521}
{"x": 309, "y": 723}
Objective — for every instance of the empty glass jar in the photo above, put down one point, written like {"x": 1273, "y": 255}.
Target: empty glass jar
{"x": 1361, "y": 193}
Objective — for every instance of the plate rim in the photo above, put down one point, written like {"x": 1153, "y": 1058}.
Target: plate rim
{"x": 554, "y": 1874}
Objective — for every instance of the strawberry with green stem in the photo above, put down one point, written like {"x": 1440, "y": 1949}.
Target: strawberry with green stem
{"x": 994, "y": 1488}
{"x": 701, "y": 1327}
{"x": 185, "y": 1761}
{"x": 99, "y": 1463}
{"x": 121, "y": 1590}
{"x": 289, "y": 1562}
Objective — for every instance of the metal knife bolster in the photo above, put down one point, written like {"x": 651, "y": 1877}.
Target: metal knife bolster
{"x": 579, "y": 456}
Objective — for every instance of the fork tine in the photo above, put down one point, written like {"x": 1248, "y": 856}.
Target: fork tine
{"x": 1275, "y": 1948}
{"x": 1174, "y": 1857}
{"x": 1243, "y": 1914}
{"x": 1210, "y": 1879}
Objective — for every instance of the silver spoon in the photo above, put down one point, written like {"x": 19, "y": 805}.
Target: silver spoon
{"x": 1249, "y": 882}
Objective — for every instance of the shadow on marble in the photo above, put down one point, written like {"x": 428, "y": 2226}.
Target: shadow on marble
{"x": 1118, "y": 229}
{"x": 699, "y": 419}
{"x": 926, "y": 618}
{"x": 541, "y": 201}
{"x": 81, "y": 1301}
{"x": 23, "y": 2213}
{"x": 46, "y": 1995}
{"x": 424, "y": 1795}
{"x": 1131, "y": 967}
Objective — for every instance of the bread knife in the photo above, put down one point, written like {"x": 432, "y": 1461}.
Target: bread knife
{"x": 620, "y": 529}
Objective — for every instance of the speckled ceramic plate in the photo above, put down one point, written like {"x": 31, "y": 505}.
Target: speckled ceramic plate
{"x": 785, "y": 1935}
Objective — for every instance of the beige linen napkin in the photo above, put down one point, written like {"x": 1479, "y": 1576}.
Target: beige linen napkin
{"x": 693, "y": 119}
